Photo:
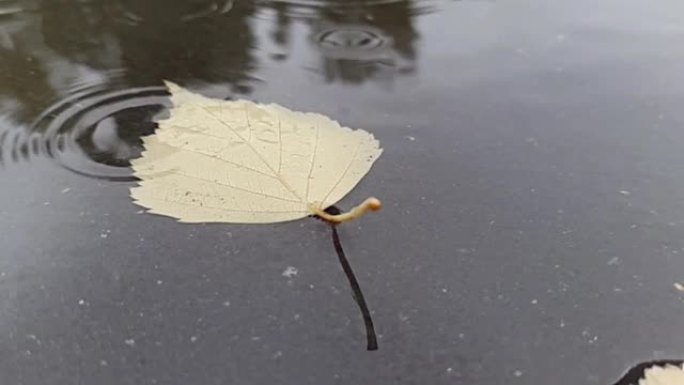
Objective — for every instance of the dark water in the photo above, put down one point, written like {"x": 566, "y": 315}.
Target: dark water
{"x": 532, "y": 178}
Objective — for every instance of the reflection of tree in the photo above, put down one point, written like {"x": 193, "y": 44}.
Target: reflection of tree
{"x": 356, "y": 40}
{"x": 213, "y": 49}
{"x": 158, "y": 39}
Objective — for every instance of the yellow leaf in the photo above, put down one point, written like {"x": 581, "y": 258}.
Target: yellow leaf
{"x": 242, "y": 162}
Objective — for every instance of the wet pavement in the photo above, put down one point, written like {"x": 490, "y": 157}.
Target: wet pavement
{"x": 532, "y": 181}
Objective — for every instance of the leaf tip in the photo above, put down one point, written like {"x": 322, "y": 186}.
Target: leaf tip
{"x": 171, "y": 86}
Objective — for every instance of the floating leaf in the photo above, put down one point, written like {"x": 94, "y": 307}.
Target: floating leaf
{"x": 242, "y": 162}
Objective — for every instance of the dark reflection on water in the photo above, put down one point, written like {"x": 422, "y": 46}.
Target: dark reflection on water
{"x": 82, "y": 80}
{"x": 356, "y": 40}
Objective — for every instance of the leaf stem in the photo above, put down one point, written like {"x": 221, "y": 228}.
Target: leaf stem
{"x": 372, "y": 342}
{"x": 336, "y": 216}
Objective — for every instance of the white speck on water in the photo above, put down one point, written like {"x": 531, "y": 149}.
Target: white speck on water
{"x": 103, "y": 363}
{"x": 46, "y": 203}
{"x": 311, "y": 286}
{"x": 411, "y": 138}
{"x": 562, "y": 324}
{"x": 613, "y": 261}
{"x": 130, "y": 342}
{"x": 625, "y": 192}
{"x": 290, "y": 272}
{"x": 159, "y": 282}
{"x": 518, "y": 373}
{"x": 226, "y": 303}
{"x": 193, "y": 339}
{"x": 403, "y": 317}
{"x": 66, "y": 190}
{"x": 679, "y": 286}
{"x": 297, "y": 317}
{"x": 449, "y": 370}
{"x": 140, "y": 212}
{"x": 277, "y": 354}
{"x": 81, "y": 302}
{"x": 2, "y": 273}
{"x": 256, "y": 338}
{"x": 461, "y": 336}
{"x": 617, "y": 290}
{"x": 534, "y": 302}
{"x": 444, "y": 290}
{"x": 104, "y": 235}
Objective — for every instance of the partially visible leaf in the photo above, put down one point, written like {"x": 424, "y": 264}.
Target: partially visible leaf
{"x": 663, "y": 375}
{"x": 242, "y": 162}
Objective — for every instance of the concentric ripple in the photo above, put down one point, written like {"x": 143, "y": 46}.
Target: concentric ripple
{"x": 355, "y": 42}
{"x": 93, "y": 132}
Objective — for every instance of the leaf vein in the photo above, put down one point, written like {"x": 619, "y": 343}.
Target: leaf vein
{"x": 277, "y": 175}
{"x": 313, "y": 161}
{"x": 175, "y": 172}
{"x": 221, "y": 208}
{"x": 346, "y": 170}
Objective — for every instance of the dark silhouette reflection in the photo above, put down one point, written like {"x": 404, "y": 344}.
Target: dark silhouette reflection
{"x": 171, "y": 41}
{"x": 199, "y": 40}
{"x": 356, "y": 40}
